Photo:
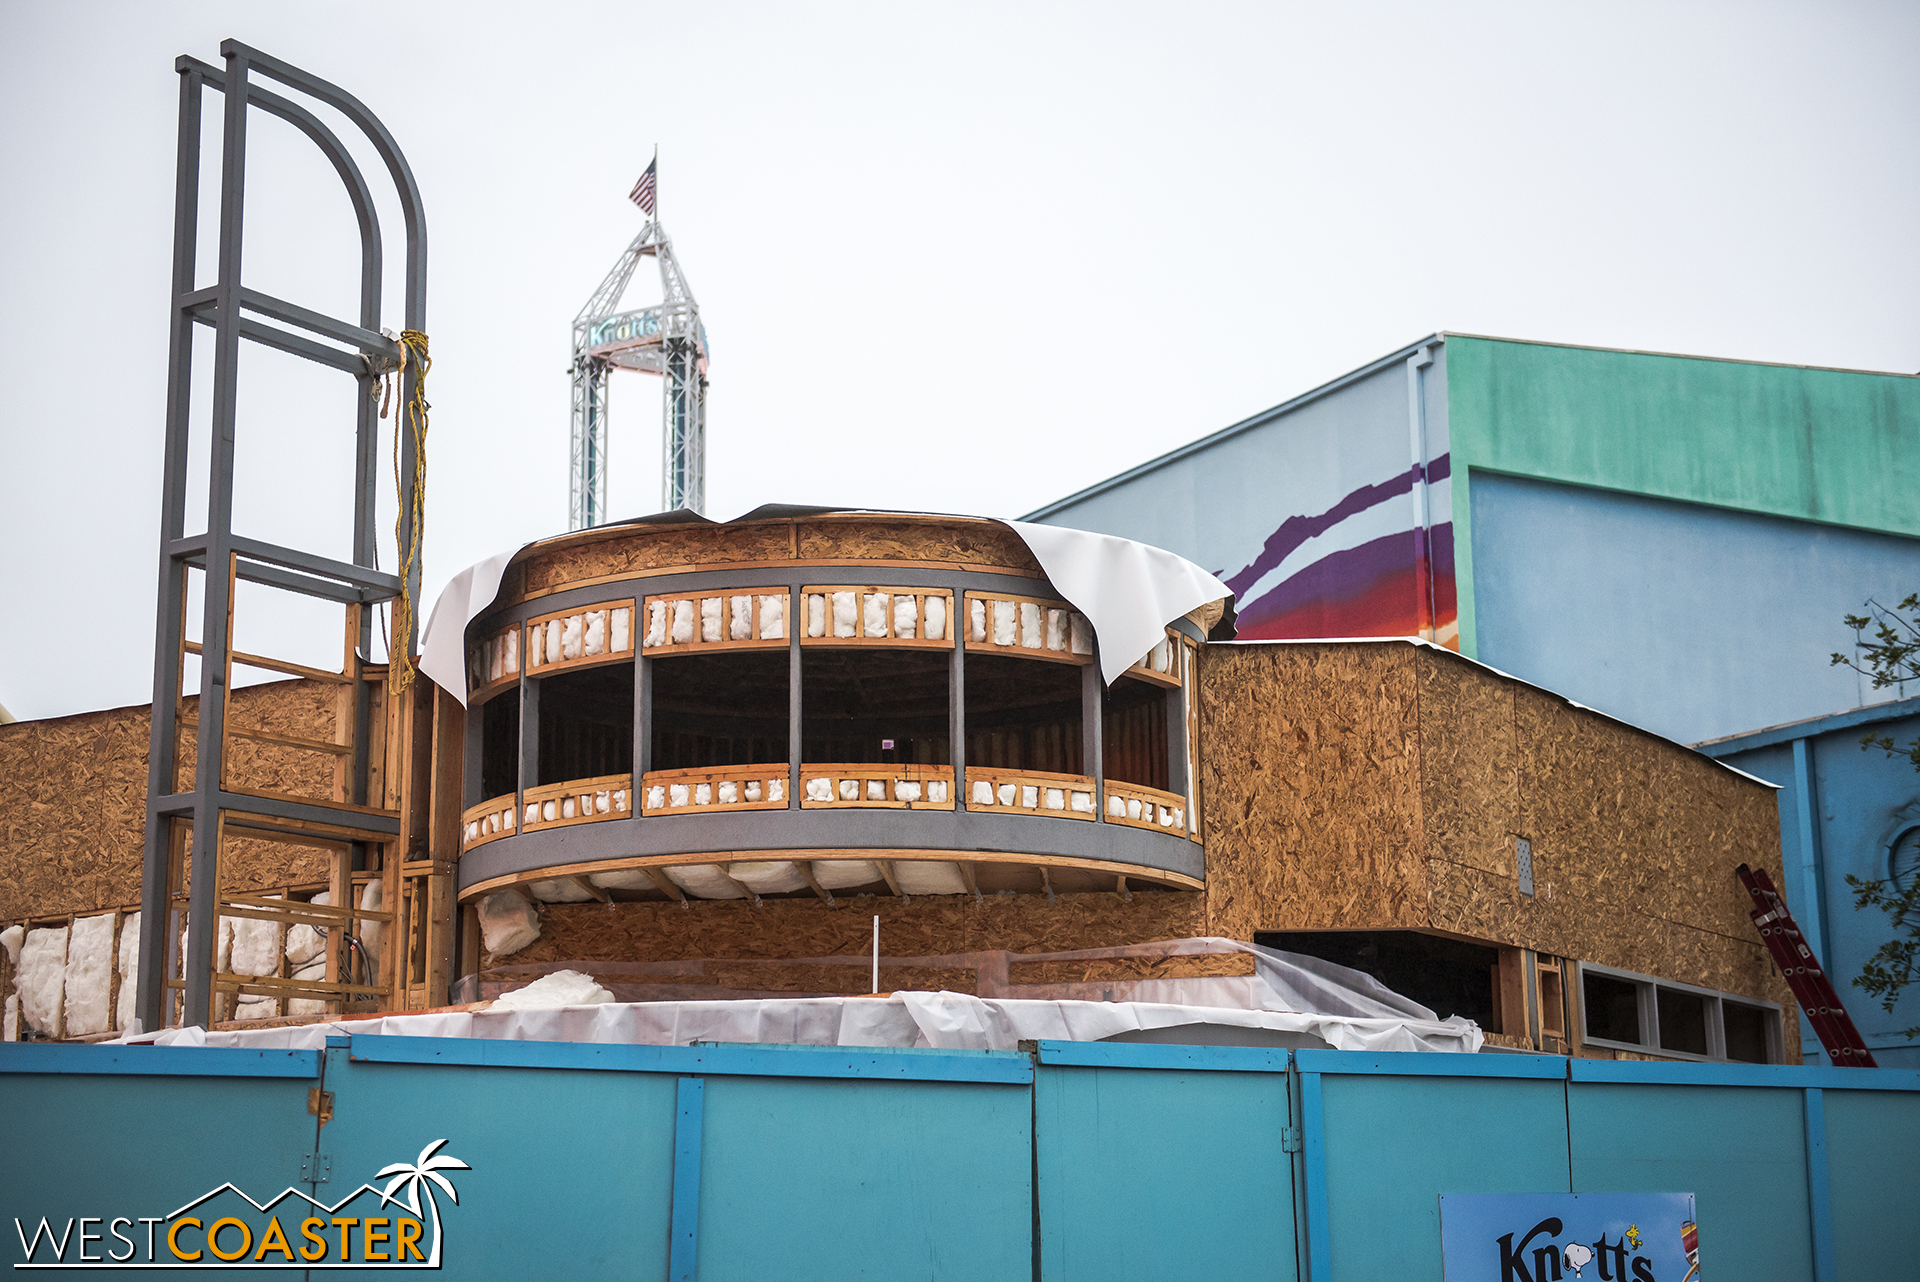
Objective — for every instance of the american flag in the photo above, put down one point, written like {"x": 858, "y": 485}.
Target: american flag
{"x": 642, "y": 193}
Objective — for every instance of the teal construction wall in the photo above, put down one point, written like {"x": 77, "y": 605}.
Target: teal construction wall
{"x": 1077, "y": 1162}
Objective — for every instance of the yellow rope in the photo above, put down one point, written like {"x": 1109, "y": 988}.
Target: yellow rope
{"x": 413, "y": 347}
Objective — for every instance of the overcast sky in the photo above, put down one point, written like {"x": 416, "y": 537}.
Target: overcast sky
{"x": 967, "y": 258}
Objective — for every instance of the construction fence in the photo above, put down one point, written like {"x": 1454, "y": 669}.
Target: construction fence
{"x": 1071, "y": 1162}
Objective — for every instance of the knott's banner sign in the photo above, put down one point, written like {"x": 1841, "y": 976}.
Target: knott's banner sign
{"x": 1569, "y": 1237}
{"x": 395, "y": 1227}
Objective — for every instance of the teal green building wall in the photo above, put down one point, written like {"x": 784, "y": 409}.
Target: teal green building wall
{"x": 1838, "y": 447}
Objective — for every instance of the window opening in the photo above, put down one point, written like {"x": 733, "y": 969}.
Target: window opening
{"x": 1613, "y": 1008}
{"x": 1450, "y": 976}
{"x": 1639, "y": 1012}
{"x": 500, "y": 745}
{"x": 586, "y": 724}
{"x": 720, "y": 709}
{"x": 875, "y": 706}
{"x": 1746, "y": 1032}
{"x": 1133, "y": 745}
{"x": 1023, "y": 715}
{"x": 1683, "y": 1021}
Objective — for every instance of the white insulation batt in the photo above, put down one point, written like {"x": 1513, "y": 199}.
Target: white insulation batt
{"x": 625, "y": 879}
{"x": 40, "y": 975}
{"x": 767, "y": 877}
{"x": 926, "y": 877}
{"x": 508, "y": 923}
{"x": 845, "y": 874}
{"x": 10, "y": 939}
{"x": 559, "y": 890}
{"x": 10, "y": 1024}
{"x": 706, "y": 881}
{"x": 129, "y": 964}
{"x": 89, "y": 975}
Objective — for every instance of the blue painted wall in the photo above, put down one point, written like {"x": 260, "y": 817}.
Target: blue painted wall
{"x": 1690, "y": 621}
{"x": 1861, "y": 801}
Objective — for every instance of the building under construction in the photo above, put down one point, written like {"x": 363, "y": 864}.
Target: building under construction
{"x": 828, "y": 894}
{"x": 812, "y": 752}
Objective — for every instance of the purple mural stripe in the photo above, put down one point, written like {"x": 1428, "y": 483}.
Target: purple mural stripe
{"x": 1439, "y": 469}
{"x": 1296, "y": 530}
{"x": 1337, "y": 577}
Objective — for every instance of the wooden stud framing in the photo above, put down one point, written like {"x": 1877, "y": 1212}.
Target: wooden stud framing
{"x": 698, "y": 643}
{"x": 1027, "y": 627}
{"x": 1159, "y": 811}
{"x": 865, "y": 777}
{"x": 1032, "y": 791}
{"x": 772, "y": 778}
{"x": 860, "y": 636}
{"x": 590, "y": 800}
{"x": 546, "y": 632}
{"x": 1147, "y": 667}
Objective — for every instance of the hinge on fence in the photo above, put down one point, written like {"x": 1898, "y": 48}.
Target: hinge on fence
{"x": 1289, "y": 1139}
{"x": 320, "y": 1104}
{"x": 316, "y": 1168}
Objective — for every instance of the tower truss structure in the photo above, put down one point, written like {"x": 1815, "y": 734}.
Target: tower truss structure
{"x": 665, "y": 339}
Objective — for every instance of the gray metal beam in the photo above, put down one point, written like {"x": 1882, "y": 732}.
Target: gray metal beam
{"x": 354, "y": 584}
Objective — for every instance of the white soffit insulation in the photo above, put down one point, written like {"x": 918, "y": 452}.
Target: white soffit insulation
{"x": 1129, "y": 591}
{"x": 559, "y": 890}
{"x": 928, "y": 877}
{"x": 707, "y": 881}
{"x": 767, "y": 878}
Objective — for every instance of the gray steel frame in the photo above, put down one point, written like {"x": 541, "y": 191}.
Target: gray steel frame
{"x": 225, "y": 306}
{"x": 666, "y": 339}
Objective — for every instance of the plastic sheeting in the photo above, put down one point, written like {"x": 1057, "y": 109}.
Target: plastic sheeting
{"x": 1128, "y": 591}
{"x": 1287, "y": 999}
{"x": 947, "y": 1021}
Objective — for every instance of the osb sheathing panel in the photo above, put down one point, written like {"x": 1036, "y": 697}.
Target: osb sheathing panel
{"x": 1381, "y": 786}
{"x": 648, "y": 549}
{"x": 73, "y": 796}
{"x": 1470, "y": 764}
{"x": 1311, "y": 775}
{"x": 926, "y": 926}
{"x": 961, "y": 543}
{"x": 644, "y": 549}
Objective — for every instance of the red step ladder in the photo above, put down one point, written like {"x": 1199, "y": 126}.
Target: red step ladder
{"x": 1810, "y": 985}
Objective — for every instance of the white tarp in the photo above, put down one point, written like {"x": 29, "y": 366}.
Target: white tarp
{"x": 1129, "y": 592}
{"x": 946, "y": 1021}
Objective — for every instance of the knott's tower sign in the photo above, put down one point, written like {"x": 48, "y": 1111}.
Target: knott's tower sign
{"x": 397, "y": 1226}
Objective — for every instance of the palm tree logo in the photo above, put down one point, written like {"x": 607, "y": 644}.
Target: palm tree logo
{"x": 415, "y": 1177}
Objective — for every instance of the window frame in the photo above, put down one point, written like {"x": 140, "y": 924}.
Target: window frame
{"x": 1646, "y": 988}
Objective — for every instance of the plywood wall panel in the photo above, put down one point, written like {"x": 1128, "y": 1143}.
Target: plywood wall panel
{"x": 985, "y": 543}
{"x": 1470, "y": 769}
{"x": 642, "y": 550}
{"x": 73, "y": 799}
{"x": 1311, "y": 771}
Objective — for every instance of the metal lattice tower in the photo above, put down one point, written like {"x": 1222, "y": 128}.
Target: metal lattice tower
{"x": 666, "y": 339}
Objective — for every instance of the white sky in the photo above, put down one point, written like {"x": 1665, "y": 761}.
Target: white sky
{"x": 967, "y": 258}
